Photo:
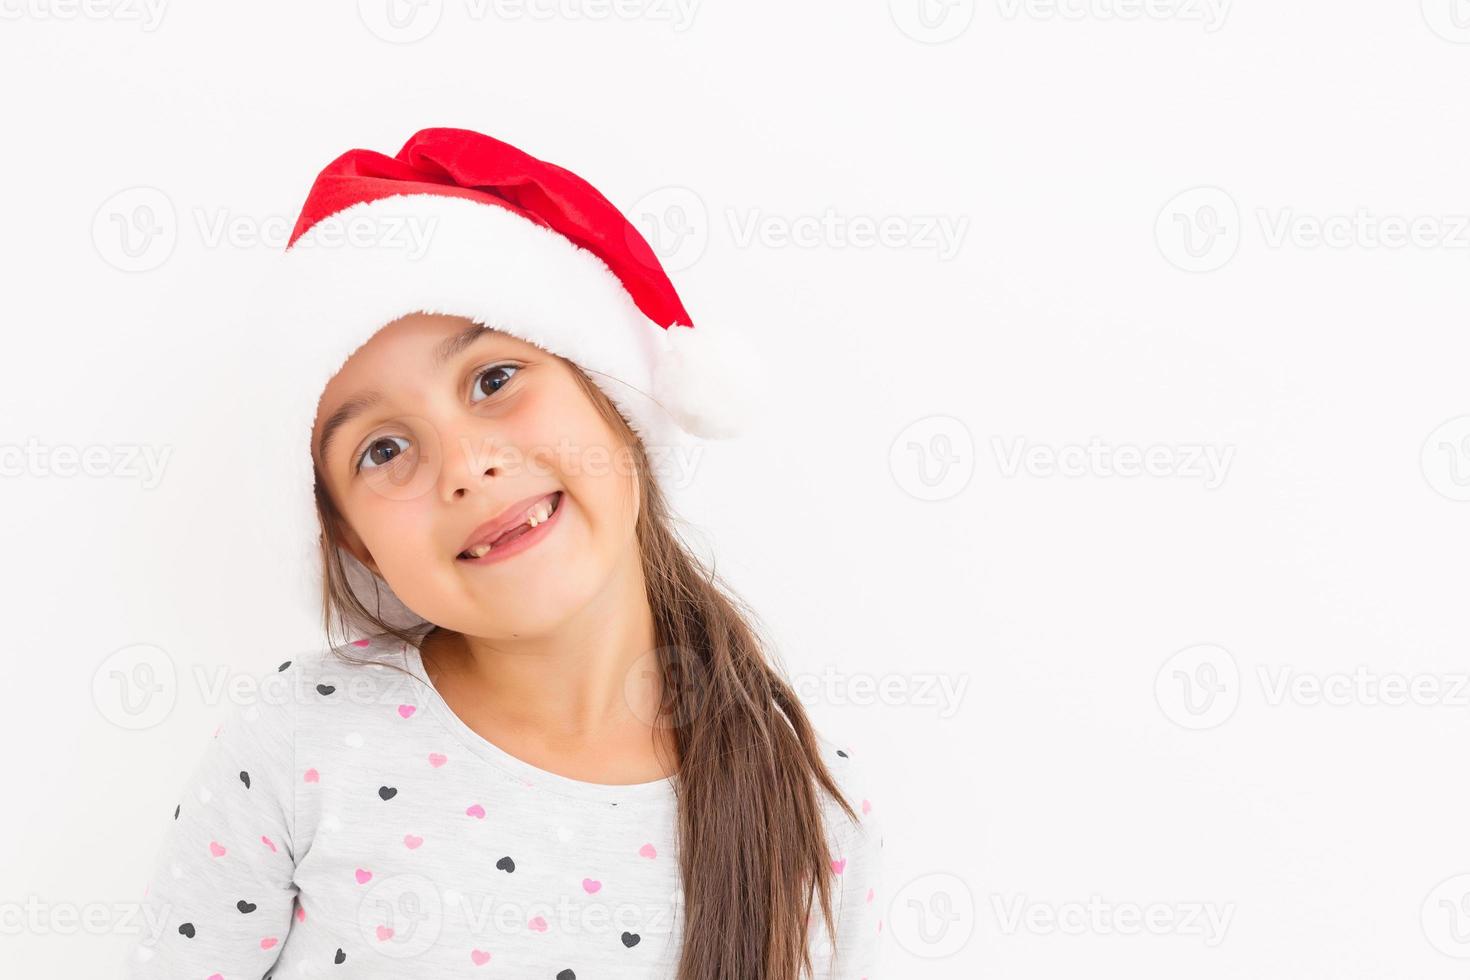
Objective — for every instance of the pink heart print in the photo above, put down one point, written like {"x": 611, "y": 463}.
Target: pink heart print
{"x": 406, "y": 710}
{"x": 363, "y": 877}
{"x": 647, "y": 850}
{"x": 385, "y": 933}
{"x": 479, "y": 956}
{"x": 411, "y": 841}
{"x": 312, "y": 776}
{"x": 436, "y": 759}
{"x": 591, "y": 885}
{"x": 838, "y": 865}
{"x": 216, "y": 848}
{"x": 538, "y": 924}
{"x": 476, "y": 811}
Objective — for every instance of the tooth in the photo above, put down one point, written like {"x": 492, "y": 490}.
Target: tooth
{"x": 478, "y": 551}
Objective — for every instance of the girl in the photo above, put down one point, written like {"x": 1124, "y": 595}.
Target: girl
{"x": 549, "y": 743}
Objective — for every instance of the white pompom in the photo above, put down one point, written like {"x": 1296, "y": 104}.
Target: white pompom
{"x": 708, "y": 381}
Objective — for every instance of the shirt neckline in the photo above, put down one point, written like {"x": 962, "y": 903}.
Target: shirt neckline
{"x": 665, "y": 789}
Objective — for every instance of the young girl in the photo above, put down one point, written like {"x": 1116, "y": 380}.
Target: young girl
{"x": 549, "y": 743}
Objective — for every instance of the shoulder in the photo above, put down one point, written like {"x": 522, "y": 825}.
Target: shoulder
{"x": 307, "y": 685}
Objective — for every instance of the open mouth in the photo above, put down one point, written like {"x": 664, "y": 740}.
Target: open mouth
{"x": 537, "y": 514}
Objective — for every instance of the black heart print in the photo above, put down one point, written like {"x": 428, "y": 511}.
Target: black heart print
{"x": 387, "y": 792}
{"x": 339, "y": 957}
{"x": 506, "y": 864}
{"x": 283, "y": 666}
{"x": 244, "y": 906}
{"x": 187, "y": 929}
{"x": 842, "y": 753}
{"x": 324, "y": 689}
{"x": 566, "y": 975}
{"x": 245, "y": 778}
{"x": 630, "y": 939}
{"x": 176, "y": 810}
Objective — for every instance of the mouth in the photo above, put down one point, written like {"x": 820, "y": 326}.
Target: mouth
{"x": 536, "y": 517}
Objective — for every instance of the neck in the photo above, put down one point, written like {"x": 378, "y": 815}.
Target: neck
{"x": 580, "y": 680}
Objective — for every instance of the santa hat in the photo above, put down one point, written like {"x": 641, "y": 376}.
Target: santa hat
{"x": 464, "y": 224}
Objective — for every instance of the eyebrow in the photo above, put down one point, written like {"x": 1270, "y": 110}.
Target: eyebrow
{"x": 446, "y": 351}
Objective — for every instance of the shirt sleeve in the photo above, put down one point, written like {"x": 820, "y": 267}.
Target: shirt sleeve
{"x": 857, "y": 866}
{"x": 220, "y": 894}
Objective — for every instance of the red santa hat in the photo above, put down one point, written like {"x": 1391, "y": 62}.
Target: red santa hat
{"x": 462, "y": 223}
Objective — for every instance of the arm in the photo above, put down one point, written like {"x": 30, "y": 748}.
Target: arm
{"x": 857, "y": 865}
{"x": 220, "y": 892}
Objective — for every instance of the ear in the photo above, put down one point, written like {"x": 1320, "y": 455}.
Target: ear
{"x": 349, "y": 539}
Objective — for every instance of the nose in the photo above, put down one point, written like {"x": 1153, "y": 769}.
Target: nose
{"x": 472, "y": 456}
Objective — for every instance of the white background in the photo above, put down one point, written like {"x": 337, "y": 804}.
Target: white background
{"x": 1170, "y": 225}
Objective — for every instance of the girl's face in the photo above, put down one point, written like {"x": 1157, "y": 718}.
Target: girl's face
{"x": 437, "y": 426}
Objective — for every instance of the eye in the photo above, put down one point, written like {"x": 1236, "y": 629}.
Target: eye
{"x": 492, "y": 379}
{"x": 380, "y": 452}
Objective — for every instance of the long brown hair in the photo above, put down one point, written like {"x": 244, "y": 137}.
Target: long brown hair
{"x": 752, "y": 842}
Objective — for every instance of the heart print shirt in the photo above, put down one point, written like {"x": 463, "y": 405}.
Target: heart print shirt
{"x": 345, "y": 823}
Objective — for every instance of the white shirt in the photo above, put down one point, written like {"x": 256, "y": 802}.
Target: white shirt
{"x": 346, "y": 823}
